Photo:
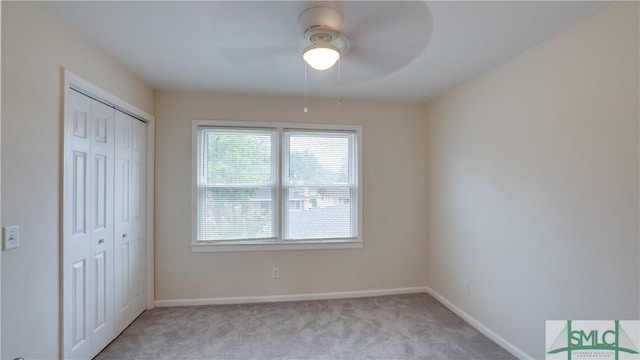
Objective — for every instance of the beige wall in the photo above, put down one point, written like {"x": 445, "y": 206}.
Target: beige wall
{"x": 533, "y": 184}
{"x": 35, "y": 45}
{"x": 394, "y": 254}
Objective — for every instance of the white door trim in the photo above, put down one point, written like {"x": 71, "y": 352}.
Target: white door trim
{"x": 74, "y": 81}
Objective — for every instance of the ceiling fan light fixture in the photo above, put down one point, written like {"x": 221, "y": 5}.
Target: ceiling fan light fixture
{"x": 321, "y": 54}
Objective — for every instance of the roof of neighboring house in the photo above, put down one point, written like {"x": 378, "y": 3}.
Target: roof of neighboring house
{"x": 338, "y": 193}
{"x": 321, "y": 222}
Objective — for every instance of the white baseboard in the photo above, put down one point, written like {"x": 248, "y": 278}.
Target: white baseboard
{"x": 479, "y": 326}
{"x": 295, "y": 297}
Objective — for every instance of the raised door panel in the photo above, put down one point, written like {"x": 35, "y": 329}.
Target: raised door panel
{"x": 79, "y": 195}
{"x": 102, "y": 292}
{"x": 78, "y": 318}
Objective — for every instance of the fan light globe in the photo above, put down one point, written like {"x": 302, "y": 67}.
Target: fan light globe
{"x": 321, "y": 56}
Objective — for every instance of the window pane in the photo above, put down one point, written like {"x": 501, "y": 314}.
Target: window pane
{"x": 319, "y": 213}
{"x": 237, "y": 157}
{"x": 236, "y": 213}
{"x": 320, "y": 158}
{"x": 236, "y": 184}
{"x": 320, "y": 171}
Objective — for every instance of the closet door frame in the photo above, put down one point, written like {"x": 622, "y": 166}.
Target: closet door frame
{"x": 73, "y": 82}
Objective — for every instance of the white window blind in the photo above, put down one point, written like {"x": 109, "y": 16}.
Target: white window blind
{"x": 320, "y": 185}
{"x": 236, "y": 184}
{"x": 276, "y": 185}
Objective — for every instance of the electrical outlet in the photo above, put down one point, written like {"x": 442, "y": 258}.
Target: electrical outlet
{"x": 275, "y": 273}
{"x": 10, "y": 236}
{"x": 466, "y": 287}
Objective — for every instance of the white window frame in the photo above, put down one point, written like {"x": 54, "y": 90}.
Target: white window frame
{"x": 279, "y": 244}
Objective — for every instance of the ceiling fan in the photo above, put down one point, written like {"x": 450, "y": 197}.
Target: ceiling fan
{"x": 322, "y": 26}
{"x": 371, "y": 38}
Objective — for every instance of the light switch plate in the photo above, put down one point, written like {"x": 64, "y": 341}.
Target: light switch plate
{"x": 10, "y": 236}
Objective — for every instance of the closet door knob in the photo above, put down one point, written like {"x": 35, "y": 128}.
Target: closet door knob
{"x": 101, "y": 241}
{"x": 124, "y": 236}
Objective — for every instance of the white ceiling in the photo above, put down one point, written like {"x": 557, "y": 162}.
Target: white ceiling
{"x": 400, "y": 51}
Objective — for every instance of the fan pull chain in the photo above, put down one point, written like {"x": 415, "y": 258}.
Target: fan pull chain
{"x": 339, "y": 102}
{"x": 306, "y": 110}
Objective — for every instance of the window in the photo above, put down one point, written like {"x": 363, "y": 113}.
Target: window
{"x": 275, "y": 186}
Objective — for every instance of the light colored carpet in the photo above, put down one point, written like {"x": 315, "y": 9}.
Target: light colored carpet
{"x": 414, "y": 326}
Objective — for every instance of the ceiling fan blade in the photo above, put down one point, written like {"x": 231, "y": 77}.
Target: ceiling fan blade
{"x": 242, "y": 44}
{"x": 366, "y": 64}
{"x": 386, "y": 19}
{"x": 384, "y": 37}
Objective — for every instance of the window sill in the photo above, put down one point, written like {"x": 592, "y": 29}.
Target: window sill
{"x": 324, "y": 245}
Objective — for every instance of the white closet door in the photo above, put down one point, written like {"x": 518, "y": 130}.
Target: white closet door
{"x": 88, "y": 227}
{"x": 130, "y": 179}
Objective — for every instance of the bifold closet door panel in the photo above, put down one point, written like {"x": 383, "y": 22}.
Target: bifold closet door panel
{"x": 130, "y": 214}
{"x": 88, "y": 226}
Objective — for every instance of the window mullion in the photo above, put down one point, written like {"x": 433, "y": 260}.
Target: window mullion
{"x": 282, "y": 168}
